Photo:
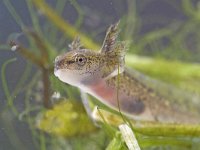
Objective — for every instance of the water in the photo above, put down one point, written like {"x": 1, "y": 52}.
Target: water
{"x": 92, "y": 18}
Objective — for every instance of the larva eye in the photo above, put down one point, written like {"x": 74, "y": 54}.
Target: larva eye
{"x": 80, "y": 59}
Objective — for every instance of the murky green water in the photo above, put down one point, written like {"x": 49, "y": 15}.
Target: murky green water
{"x": 30, "y": 118}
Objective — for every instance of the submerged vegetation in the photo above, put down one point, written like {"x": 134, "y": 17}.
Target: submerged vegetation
{"x": 175, "y": 54}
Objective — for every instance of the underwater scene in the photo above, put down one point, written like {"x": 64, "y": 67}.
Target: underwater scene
{"x": 99, "y": 75}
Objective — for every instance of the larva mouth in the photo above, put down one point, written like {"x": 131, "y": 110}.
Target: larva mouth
{"x": 56, "y": 72}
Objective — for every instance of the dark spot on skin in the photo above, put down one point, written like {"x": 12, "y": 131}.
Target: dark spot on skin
{"x": 133, "y": 106}
{"x": 150, "y": 90}
{"x": 70, "y": 62}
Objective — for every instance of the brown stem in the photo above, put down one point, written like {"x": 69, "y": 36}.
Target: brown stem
{"x": 40, "y": 43}
{"x": 39, "y": 61}
{"x": 42, "y": 46}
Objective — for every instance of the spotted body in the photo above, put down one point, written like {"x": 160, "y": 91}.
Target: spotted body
{"x": 103, "y": 75}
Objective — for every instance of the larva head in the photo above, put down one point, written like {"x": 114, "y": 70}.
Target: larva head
{"x": 77, "y": 67}
{"x": 82, "y": 66}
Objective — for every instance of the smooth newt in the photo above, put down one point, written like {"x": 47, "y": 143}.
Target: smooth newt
{"x": 96, "y": 73}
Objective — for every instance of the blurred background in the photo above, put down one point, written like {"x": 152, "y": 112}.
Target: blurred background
{"x": 39, "y": 112}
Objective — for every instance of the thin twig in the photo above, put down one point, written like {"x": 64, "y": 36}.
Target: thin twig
{"x": 40, "y": 43}
{"x": 39, "y": 61}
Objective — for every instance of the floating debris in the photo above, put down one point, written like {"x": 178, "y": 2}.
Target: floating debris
{"x": 13, "y": 45}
